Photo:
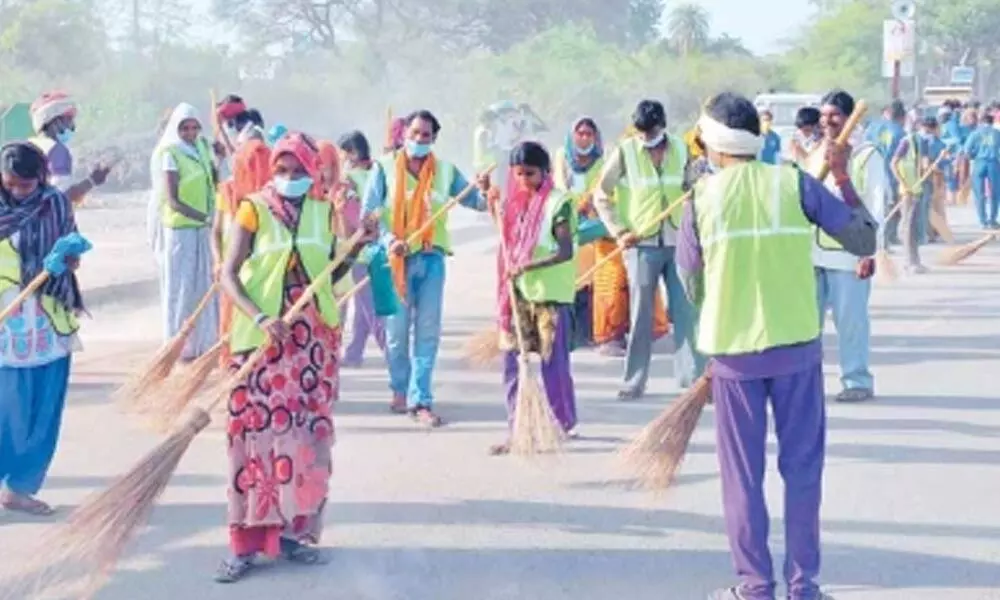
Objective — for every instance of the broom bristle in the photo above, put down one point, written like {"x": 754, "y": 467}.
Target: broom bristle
{"x": 94, "y": 537}
{"x": 129, "y": 396}
{"x": 963, "y": 252}
{"x": 885, "y": 267}
{"x": 940, "y": 224}
{"x": 656, "y": 454}
{"x": 164, "y": 409}
{"x": 483, "y": 349}
{"x": 535, "y": 429}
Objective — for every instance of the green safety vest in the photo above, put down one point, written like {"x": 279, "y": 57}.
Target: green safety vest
{"x": 648, "y": 192}
{"x": 760, "y": 287}
{"x": 63, "y": 320}
{"x": 859, "y": 177}
{"x": 558, "y": 282}
{"x": 440, "y": 195}
{"x": 263, "y": 273}
{"x": 910, "y": 164}
{"x": 195, "y": 187}
{"x": 359, "y": 177}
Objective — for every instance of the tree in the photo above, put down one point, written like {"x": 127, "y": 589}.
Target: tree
{"x": 688, "y": 28}
{"x": 28, "y": 29}
{"x": 727, "y": 45}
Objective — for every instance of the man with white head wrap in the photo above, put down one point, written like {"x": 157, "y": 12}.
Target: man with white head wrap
{"x": 744, "y": 252}
{"x": 650, "y": 166}
{"x": 53, "y": 117}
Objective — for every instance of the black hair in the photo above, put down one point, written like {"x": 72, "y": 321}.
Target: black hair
{"x": 25, "y": 160}
{"x": 843, "y": 101}
{"x": 648, "y": 115}
{"x": 986, "y": 117}
{"x": 930, "y": 122}
{"x": 248, "y": 116}
{"x": 588, "y": 122}
{"x": 808, "y": 116}
{"x": 734, "y": 111}
{"x": 530, "y": 154}
{"x": 424, "y": 115}
{"x": 356, "y": 142}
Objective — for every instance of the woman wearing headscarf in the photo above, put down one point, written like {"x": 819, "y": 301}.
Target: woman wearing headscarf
{"x": 604, "y": 300}
{"x": 364, "y": 323}
{"x": 184, "y": 188}
{"x": 537, "y": 225}
{"x": 280, "y": 428}
{"x": 37, "y": 340}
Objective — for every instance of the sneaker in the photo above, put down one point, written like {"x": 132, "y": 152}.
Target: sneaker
{"x": 234, "y": 569}
{"x": 855, "y": 395}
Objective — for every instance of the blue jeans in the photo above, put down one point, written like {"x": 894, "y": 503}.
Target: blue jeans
{"x": 923, "y": 214}
{"x": 424, "y": 297}
{"x": 847, "y": 297}
{"x": 986, "y": 207}
{"x": 31, "y": 409}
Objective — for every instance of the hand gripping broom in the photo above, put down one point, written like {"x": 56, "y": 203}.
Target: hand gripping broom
{"x": 656, "y": 454}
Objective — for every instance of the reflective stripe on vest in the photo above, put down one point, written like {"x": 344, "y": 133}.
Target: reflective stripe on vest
{"x": 264, "y": 272}
{"x": 859, "y": 179}
{"x": 440, "y": 194}
{"x": 760, "y": 286}
{"x": 649, "y": 192}
{"x": 556, "y": 283}
{"x": 194, "y": 187}
{"x": 63, "y": 321}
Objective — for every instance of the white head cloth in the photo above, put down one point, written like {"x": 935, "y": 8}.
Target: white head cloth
{"x": 734, "y": 142}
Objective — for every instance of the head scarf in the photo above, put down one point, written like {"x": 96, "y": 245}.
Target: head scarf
{"x": 50, "y": 106}
{"x": 329, "y": 158}
{"x": 572, "y": 156}
{"x": 171, "y": 138}
{"x": 276, "y": 133}
{"x": 305, "y": 150}
{"x": 39, "y": 221}
{"x": 721, "y": 138}
{"x": 228, "y": 111}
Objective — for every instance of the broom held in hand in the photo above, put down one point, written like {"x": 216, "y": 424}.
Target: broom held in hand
{"x": 920, "y": 182}
{"x": 860, "y": 108}
{"x": 62, "y": 256}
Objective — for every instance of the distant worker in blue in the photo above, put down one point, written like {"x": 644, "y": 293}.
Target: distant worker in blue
{"x": 887, "y": 137}
{"x": 953, "y": 135}
{"x": 770, "y": 151}
{"x": 982, "y": 148}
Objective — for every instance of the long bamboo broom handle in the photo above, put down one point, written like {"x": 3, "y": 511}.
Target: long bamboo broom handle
{"x": 923, "y": 178}
{"x": 522, "y": 348}
{"x": 26, "y": 293}
{"x": 618, "y": 251}
{"x": 189, "y": 324}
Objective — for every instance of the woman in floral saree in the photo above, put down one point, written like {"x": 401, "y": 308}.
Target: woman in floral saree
{"x": 280, "y": 427}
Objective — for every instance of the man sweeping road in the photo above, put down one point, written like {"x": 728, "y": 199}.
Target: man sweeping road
{"x": 744, "y": 253}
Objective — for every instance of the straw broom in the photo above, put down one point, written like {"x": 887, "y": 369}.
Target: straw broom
{"x": 159, "y": 367}
{"x": 961, "y": 253}
{"x": 483, "y": 348}
{"x": 655, "y": 455}
{"x": 163, "y": 410}
{"x": 535, "y": 429}
{"x": 71, "y": 245}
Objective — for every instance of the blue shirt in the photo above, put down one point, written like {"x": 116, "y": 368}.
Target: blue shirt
{"x": 376, "y": 194}
{"x": 983, "y": 144}
{"x": 771, "y": 149}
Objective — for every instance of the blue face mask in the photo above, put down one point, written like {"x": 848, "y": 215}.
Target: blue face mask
{"x": 292, "y": 188}
{"x": 65, "y": 136}
{"x": 585, "y": 151}
{"x": 417, "y": 150}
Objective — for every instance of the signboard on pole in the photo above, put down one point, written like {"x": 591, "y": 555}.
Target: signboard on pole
{"x": 899, "y": 43}
{"x": 963, "y": 75}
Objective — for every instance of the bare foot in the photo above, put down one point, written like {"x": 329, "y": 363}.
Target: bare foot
{"x": 27, "y": 505}
{"x": 426, "y": 417}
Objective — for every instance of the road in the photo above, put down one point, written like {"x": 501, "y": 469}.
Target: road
{"x": 911, "y": 490}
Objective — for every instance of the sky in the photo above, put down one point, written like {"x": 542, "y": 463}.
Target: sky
{"x": 762, "y": 32}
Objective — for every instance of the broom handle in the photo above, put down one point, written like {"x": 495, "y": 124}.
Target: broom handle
{"x": 927, "y": 174}
{"x": 26, "y": 293}
{"x": 189, "y": 324}
{"x": 388, "y": 128}
{"x": 618, "y": 251}
{"x": 845, "y": 134}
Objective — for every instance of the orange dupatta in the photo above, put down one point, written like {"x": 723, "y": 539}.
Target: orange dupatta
{"x": 410, "y": 214}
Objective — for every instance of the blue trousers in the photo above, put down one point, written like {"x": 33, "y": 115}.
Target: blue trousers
{"x": 923, "y": 213}
{"x": 846, "y": 297}
{"x": 411, "y": 375}
{"x": 31, "y": 407}
{"x": 986, "y": 207}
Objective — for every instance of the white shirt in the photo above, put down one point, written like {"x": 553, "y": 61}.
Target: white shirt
{"x": 874, "y": 195}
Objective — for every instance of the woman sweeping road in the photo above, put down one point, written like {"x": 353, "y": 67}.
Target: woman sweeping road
{"x": 37, "y": 340}
{"x": 280, "y": 428}
{"x": 537, "y": 225}
{"x": 184, "y": 180}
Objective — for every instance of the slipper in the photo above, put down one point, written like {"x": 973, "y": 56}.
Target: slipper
{"x": 423, "y": 415}
{"x": 27, "y": 505}
{"x": 233, "y": 569}
{"x": 299, "y": 553}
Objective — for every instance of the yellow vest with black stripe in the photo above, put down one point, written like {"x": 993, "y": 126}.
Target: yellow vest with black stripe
{"x": 760, "y": 286}
{"x": 264, "y": 271}
{"x": 859, "y": 179}
{"x": 439, "y": 196}
{"x": 62, "y": 319}
{"x": 556, "y": 283}
{"x": 195, "y": 187}
{"x": 648, "y": 192}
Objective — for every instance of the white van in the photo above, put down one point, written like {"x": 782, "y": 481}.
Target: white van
{"x": 784, "y": 107}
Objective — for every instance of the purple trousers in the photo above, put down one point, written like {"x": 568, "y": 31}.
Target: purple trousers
{"x": 798, "y": 404}
{"x": 364, "y": 323}
{"x": 556, "y": 375}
